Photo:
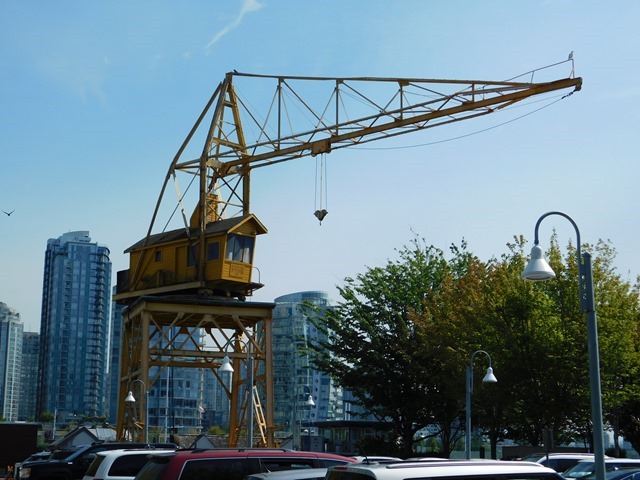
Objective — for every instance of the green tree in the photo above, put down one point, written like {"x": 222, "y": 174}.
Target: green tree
{"x": 449, "y": 327}
{"x": 618, "y": 310}
{"x": 388, "y": 340}
{"x": 46, "y": 417}
{"x": 546, "y": 362}
{"x": 402, "y": 335}
{"x": 532, "y": 356}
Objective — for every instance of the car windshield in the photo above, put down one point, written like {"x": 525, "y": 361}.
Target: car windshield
{"x": 153, "y": 469}
{"x": 533, "y": 457}
{"x": 579, "y": 470}
{"x": 586, "y": 468}
{"x": 93, "y": 468}
{"x": 617, "y": 473}
{"x": 61, "y": 454}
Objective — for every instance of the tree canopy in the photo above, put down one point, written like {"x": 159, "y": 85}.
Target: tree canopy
{"x": 403, "y": 334}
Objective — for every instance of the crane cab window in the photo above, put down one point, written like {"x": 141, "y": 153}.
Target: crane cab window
{"x": 191, "y": 255}
{"x": 240, "y": 248}
{"x": 213, "y": 250}
{"x": 158, "y": 256}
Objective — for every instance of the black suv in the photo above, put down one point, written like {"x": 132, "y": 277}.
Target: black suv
{"x": 73, "y": 464}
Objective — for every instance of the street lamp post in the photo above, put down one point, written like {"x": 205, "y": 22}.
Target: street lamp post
{"x": 131, "y": 400}
{"x": 488, "y": 378}
{"x": 297, "y": 425}
{"x": 537, "y": 270}
{"x": 227, "y": 367}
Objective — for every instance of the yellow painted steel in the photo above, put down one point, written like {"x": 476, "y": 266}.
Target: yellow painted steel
{"x": 172, "y": 282}
{"x": 155, "y": 331}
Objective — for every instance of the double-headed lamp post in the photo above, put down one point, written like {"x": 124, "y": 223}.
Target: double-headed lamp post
{"x": 227, "y": 367}
{"x": 537, "y": 270}
{"x": 130, "y": 400}
{"x": 488, "y": 378}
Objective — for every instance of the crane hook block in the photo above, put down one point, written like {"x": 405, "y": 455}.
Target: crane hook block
{"x": 320, "y": 214}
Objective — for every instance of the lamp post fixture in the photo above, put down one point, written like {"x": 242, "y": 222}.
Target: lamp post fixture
{"x": 537, "y": 270}
{"x": 488, "y": 378}
{"x": 227, "y": 367}
{"x": 298, "y": 425}
{"x": 131, "y": 401}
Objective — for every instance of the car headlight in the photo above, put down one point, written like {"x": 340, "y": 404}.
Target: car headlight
{"x": 25, "y": 472}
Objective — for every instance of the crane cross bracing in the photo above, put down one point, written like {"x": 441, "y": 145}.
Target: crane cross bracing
{"x": 285, "y": 118}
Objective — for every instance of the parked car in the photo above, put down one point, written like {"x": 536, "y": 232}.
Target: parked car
{"x": 73, "y": 464}
{"x": 584, "y": 468}
{"x": 623, "y": 473}
{"x": 376, "y": 458}
{"x": 560, "y": 462}
{"x": 232, "y": 464}
{"x": 297, "y": 474}
{"x": 31, "y": 458}
{"x": 118, "y": 464}
{"x": 464, "y": 469}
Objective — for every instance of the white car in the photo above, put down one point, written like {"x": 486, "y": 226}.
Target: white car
{"x": 463, "y": 469}
{"x": 295, "y": 474}
{"x": 119, "y": 464}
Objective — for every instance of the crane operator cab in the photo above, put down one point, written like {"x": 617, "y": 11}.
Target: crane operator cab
{"x": 186, "y": 261}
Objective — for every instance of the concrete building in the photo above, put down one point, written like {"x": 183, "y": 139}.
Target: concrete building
{"x": 10, "y": 362}
{"x": 74, "y": 327}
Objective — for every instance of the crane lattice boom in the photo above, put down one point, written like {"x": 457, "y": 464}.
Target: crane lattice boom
{"x": 307, "y": 116}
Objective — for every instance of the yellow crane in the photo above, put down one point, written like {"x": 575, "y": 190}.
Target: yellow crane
{"x": 195, "y": 277}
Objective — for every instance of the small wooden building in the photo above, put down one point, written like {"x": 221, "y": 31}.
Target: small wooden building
{"x": 177, "y": 261}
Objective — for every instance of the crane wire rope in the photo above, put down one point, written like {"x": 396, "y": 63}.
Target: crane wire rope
{"x": 321, "y": 184}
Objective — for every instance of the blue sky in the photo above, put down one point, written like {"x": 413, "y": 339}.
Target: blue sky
{"x": 97, "y": 97}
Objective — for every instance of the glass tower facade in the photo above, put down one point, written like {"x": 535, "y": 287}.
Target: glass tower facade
{"x": 115, "y": 360}
{"x": 10, "y": 362}
{"x": 175, "y": 393}
{"x": 74, "y": 326}
{"x": 29, "y": 377}
{"x": 294, "y": 378}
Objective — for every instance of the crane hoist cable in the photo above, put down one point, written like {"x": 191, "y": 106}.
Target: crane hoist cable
{"x": 321, "y": 187}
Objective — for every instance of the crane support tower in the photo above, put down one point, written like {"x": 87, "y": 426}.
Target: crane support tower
{"x": 195, "y": 274}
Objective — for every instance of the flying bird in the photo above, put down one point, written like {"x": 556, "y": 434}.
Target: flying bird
{"x": 8, "y": 214}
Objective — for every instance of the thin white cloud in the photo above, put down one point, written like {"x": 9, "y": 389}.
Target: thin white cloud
{"x": 247, "y": 7}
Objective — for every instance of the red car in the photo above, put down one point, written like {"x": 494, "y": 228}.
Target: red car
{"x": 232, "y": 464}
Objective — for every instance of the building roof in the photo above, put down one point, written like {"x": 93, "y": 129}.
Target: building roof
{"x": 221, "y": 226}
{"x": 85, "y": 436}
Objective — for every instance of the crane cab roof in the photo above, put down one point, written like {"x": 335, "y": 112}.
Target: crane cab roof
{"x": 245, "y": 223}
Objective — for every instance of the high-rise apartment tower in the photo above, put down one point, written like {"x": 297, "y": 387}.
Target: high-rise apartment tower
{"x": 10, "y": 362}
{"x": 29, "y": 376}
{"x": 74, "y": 328}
